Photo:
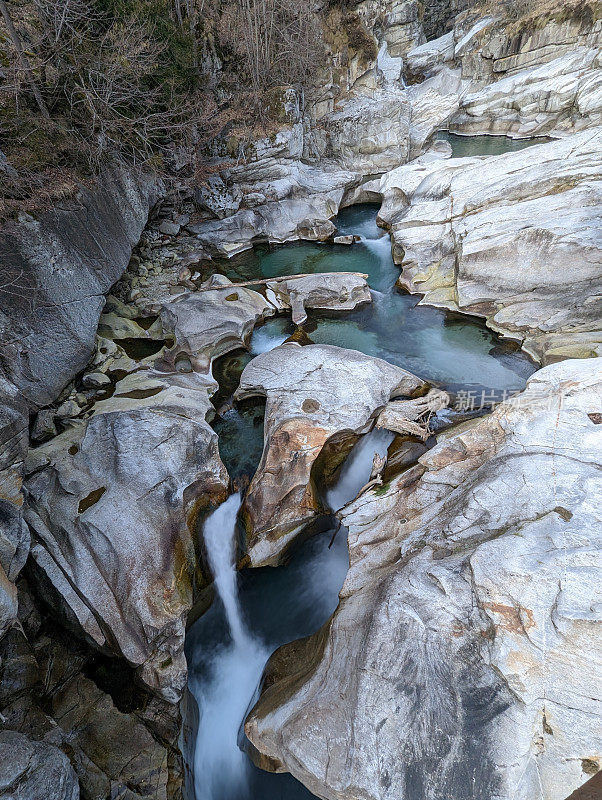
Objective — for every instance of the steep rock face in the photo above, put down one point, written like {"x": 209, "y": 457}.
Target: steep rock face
{"x": 537, "y": 77}
{"x": 439, "y": 15}
{"x": 136, "y": 766}
{"x": 559, "y": 96}
{"x": 357, "y": 125}
{"x": 494, "y": 237}
{"x": 44, "y": 696}
{"x": 313, "y": 393}
{"x": 461, "y": 661}
{"x": 367, "y": 43}
{"x": 108, "y": 502}
{"x": 396, "y": 24}
{"x": 369, "y": 134}
{"x": 492, "y": 47}
{"x": 57, "y": 270}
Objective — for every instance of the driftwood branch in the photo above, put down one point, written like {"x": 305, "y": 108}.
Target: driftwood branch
{"x": 265, "y": 281}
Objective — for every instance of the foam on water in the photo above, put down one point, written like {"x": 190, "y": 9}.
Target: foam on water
{"x": 267, "y": 337}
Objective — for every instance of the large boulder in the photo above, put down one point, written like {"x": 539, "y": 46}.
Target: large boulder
{"x": 209, "y": 323}
{"x": 217, "y": 198}
{"x": 316, "y": 395}
{"x": 112, "y": 505}
{"x": 493, "y": 237}
{"x": 327, "y": 291}
{"x": 283, "y": 193}
{"x": 464, "y": 657}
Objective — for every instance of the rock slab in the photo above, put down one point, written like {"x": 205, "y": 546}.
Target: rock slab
{"x": 466, "y": 651}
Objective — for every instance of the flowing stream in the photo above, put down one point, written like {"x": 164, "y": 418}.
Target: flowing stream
{"x": 229, "y": 682}
{"x": 229, "y": 645}
{"x": 258, "y": 610}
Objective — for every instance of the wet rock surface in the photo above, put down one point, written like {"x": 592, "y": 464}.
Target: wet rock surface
{"x": 459, "y": 657}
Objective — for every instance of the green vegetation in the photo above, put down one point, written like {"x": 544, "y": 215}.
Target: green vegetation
{"x": 89, "y": 80}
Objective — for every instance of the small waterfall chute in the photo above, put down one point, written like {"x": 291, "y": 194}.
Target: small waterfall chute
{"x": 356, "y": 470}
{"x": 220, "y": 766}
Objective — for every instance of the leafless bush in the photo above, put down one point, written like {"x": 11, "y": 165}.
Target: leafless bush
{"x": 91, "y": 85}
{"x": 278, "y": 41}
{"x": 84, "y": 80}
{"x": 112, "y": 92}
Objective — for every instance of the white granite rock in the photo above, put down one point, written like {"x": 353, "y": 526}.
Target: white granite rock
{"x": 493, "y": 236}
{"x": 466, "y": 653}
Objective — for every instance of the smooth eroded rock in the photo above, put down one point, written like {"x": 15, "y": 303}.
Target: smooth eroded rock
{"x": 464, "y": 657}
{"x": 62, "y": 264}
{"x": 315, "y": 395}
{"x": 34, "y": 770}
{"x": 112, "y": 504}
{"x": 210, "y": 323}
{"x": 327, "y": 291}
{"x": 494, "y": 236}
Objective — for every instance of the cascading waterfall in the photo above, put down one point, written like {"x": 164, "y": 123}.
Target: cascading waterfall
{"x": 226, "y": 690}
{"x": 220, "y": 767}
{"x": 264, "y": 340}
{"x": 226, "y": 648}
{"x": 356, "y": 470}
{"x": 380, "y": 248}
{"x": 218, "y": 534}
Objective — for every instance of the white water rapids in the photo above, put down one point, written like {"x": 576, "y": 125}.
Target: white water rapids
{"x": 220, "y": 766}
{"x": 356, "y": 470}
{"x": 222, "y": 770}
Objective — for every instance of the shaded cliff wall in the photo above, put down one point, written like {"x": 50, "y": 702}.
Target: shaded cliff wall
{"x": 55, "y": 272}
{"x": 438, "y": 16}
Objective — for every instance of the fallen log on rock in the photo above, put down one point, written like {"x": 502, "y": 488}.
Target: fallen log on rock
{"x": 412, "y": 417}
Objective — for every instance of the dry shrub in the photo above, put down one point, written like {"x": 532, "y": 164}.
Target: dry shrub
{"x": 275, "y": 42}
{"x": 86, "y": 81}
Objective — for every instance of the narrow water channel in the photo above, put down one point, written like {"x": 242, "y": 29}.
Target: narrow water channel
{"x": 258, "y": 610}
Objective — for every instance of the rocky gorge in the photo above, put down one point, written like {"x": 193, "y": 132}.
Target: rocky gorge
{"x": 440, "y": 631}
